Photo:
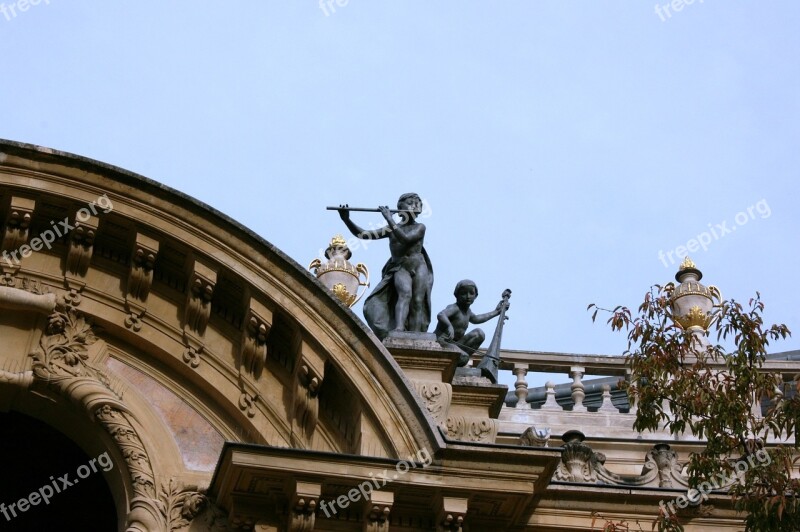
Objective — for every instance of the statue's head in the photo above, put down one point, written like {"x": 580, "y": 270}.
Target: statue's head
{"x": 465, "y": 283}
{"x": 410, "y": 202}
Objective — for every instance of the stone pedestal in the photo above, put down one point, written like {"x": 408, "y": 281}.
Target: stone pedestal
{"x": 462, "y": 402}
{"x": 429, "y": 366}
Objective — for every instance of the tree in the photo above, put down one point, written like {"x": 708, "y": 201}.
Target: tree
{"x": 680, "y": 381}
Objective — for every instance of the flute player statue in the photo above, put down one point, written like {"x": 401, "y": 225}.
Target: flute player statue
{"x": 402, "y": 299}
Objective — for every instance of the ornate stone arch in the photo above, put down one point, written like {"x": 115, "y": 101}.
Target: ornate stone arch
{"x": 60, "y": 369}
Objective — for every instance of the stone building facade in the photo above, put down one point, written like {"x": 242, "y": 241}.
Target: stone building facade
{"x": 215, "y": 384}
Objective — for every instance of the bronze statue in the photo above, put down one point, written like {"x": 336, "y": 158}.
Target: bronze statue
{"x": 402, "y": 299}
{"x": 455, "y": 318}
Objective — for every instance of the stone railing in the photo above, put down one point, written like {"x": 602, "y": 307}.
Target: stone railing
{"x": 595, "y": 404}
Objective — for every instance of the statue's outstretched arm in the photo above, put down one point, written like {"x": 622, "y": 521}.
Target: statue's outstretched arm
{"x": 481, "y": 318}
{"x": 360, "y": 232}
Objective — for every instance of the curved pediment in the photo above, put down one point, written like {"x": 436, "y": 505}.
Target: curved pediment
{"x": 204, "y": 322}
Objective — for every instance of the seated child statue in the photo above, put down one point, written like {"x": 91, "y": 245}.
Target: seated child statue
{"x": 454, "y": 320}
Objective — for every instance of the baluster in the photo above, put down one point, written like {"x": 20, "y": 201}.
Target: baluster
{"x": 607, "y": 405}
{"x": 550, "y": 402}
{"x": 521, "y": 370}
{"x": 577, "y": 388}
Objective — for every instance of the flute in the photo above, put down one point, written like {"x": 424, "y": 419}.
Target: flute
{"x": 366, "y": 209}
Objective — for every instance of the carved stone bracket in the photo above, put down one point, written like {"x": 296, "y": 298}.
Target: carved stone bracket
{"x": 81, "y": 246}
{"x": 377, "y": 510}
{"x": 308, "y": 376}
{"x": 451, "y": 514}
{"x": 17, "y": 227}
{"x": 140, "y": 278}
{"x": 303, "y": 501}
{"x": 437, "y": 397}
{"x": 475, "y": 429}
{"x": 306, "y": 405}
{"x": 143, "y": 259}
{"x": 254, "y": 338}
{"x": 202, "y": 281}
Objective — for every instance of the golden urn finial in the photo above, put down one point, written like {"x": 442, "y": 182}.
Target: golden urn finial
{"x": 339, "y": 275}
{"x": 693, "y": 303}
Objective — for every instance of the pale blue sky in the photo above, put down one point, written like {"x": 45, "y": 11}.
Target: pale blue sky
{"x": 560, "y": 145}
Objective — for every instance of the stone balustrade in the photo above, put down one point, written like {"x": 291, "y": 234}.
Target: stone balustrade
{"x": 588, "y": 396}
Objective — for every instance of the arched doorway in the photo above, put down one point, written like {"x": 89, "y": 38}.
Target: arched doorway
{"x": 47, "y": 482}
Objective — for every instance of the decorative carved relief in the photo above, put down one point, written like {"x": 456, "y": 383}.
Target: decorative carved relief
{"x": 181, "y": 504}
{"x": 133, "y": 322}
{"x": 579, "y": 463}
{"x": 198, "y": 300}
{"x": 143, "y": 259}
{"x": 72, "y": 298}
{"x": 123, "y": 433}
{"x": 254, "y": 339}
{"x": 247, "y": 404}
{"x": 81, "y": 245}
{"x": 18, "y": 223}
{"x": 191, "y": 356}
{"x": 437, "y": 397}
{"x": 666, "y": 462}
{"x": 577, "y": 460}
{"x": 60, "y": 364}
{"x": 473, "y": 429}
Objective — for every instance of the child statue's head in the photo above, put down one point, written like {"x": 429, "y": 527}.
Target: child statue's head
{"x": 410, "y": 201}
{"x": 465, "y": 283}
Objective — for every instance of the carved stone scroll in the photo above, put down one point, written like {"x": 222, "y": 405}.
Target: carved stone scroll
{"x": 579, "y": 463}
{"x": 475, "y": 429}
{"x": 437, "y": 397}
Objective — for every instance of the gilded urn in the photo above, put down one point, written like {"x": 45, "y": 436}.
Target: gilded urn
{"x": 339, "y": 275}
{"x": 692, "y": 302}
